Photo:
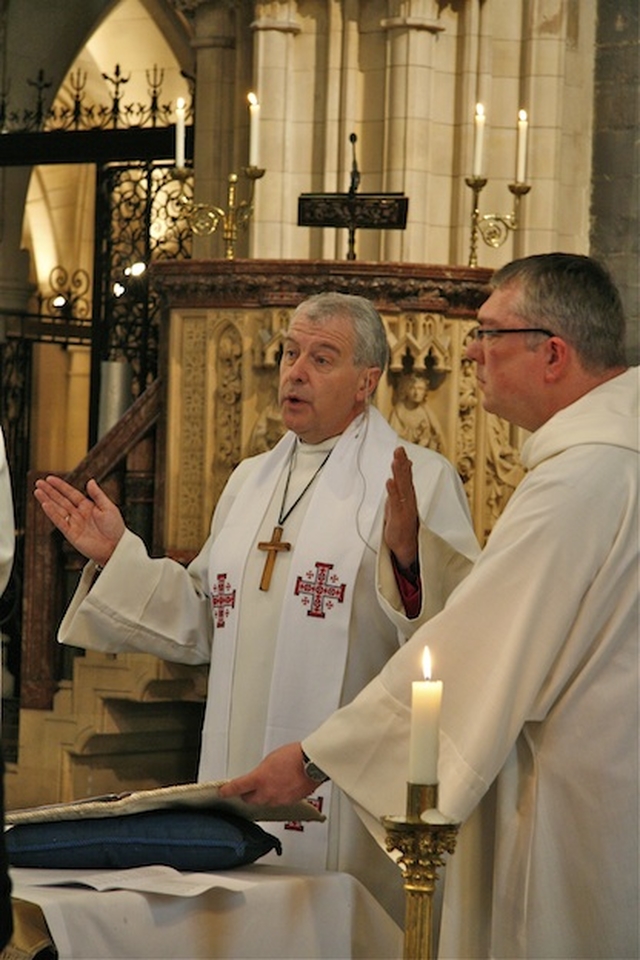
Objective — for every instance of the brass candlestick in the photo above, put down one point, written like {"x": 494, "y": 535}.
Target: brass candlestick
{"x": 203, "y": 218}
{"x": 423, "y": 836}
{"x": 493, "y": 227}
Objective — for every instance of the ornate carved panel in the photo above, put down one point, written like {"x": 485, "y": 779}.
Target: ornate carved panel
{"x": 223, "y": 376}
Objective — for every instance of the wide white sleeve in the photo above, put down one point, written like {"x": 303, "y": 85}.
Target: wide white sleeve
{"x": 447, "y": 545}
{"x": 138, "y": 603}
{"x": 505, "y": 646}
{"x": 7, "y": 521}
{"x": 150, "y": 605}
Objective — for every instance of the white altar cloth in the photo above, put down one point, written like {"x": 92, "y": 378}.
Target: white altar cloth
{"x": 260, "y": 911}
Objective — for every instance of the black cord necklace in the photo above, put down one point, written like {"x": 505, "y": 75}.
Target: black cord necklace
{"x": 282, "y": 516}
{"x": 277, "y": 544}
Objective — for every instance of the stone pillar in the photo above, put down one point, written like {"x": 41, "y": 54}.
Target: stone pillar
{"x": 471, "y": 80}
{"x": 275, "y": 30}
{"x": 410, "y": 39}
{"x": 614, "y": 195}
{"x": 215, "y": 49}
{"x": 74, "y": 439}
{"x": 15, "y": 288}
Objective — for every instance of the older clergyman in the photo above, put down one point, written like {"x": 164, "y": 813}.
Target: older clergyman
{"x": 281, "y": 600}
{"x": 537, "y": 649}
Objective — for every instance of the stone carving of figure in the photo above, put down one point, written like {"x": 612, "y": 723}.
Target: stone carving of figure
{"x": 412, "y": 418}
{"x": 268, "y": 429}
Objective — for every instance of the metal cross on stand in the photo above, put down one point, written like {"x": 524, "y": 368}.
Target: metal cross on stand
{"x": 353, "y": 210}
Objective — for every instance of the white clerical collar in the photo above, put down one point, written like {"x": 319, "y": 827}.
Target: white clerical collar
{"x": 309, "y": 449}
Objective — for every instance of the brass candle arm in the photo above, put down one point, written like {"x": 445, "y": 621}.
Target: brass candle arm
{"x": 203, "y": 218}
{"x": 494, "y": 228}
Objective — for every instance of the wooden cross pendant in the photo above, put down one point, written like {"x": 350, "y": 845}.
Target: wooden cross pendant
{"x": 272, "y": 547}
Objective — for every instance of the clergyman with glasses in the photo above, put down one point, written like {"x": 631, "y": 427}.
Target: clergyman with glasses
{"x": 537, "y": 650}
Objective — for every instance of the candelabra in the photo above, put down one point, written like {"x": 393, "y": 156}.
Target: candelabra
{"x": 203, "y": 218}
{"x": 422, "y": 837}
{"x": 493, "y": 227}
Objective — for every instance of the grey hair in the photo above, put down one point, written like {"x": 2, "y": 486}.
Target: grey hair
{"x": 575, "y": 297}
{"x": 370, "y": 347}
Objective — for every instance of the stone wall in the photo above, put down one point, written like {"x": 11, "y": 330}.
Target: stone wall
{"x": 615, "y": 202}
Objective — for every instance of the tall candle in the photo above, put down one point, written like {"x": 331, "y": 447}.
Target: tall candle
{"x": 426, "y": 698}
{"x": 180, "y": 114}
{"x": 479, "y": 140}
{"x": 254, "y": 118}
{"x": 521, "y": 148}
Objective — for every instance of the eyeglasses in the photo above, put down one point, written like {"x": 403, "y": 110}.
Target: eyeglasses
{"x": 480, "y": 333}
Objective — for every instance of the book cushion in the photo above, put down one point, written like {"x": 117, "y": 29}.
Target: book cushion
{"x": 183, "y": 838}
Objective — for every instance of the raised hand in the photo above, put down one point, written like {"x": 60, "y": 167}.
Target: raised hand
{"x": 92, "y": 524}
{"x": 401, "y": 511}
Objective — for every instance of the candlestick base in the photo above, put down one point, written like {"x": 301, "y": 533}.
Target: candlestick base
{"x": 422, "y": 838}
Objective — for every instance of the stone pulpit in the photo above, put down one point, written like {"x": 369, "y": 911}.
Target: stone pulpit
{"x": 224, "y": 326}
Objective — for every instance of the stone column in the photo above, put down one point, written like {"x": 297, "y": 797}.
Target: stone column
{"x": 410, "y": 39}
{"x": 275, "y": 30}
{"x": 15, "y": 288}
{"x": 215, "y": 49}
{"x": 614, "y": 197}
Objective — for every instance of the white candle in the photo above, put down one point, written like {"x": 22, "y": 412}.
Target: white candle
{"x": 180, "y": 133}
{"x": 479, "y": 140}
{"x": 426, "y": 698}
{"x": 521, "y": 150}
{"x": 254, "y": 117}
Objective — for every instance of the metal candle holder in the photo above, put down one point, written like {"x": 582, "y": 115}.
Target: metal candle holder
{"x": 203, "y": 218}
{"x": 493, "y": 227}
{"x": 422, "y": 837}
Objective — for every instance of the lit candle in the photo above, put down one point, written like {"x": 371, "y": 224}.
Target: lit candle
{"x": 479, "y": 140}
{"x": 521, "y": 150}
{"x": 254, "y": 115}
{"x": 426, "y": 697}
{"x": 180, "y": 113}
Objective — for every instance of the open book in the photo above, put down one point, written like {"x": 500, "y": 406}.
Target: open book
{"x": 181, "y": 795}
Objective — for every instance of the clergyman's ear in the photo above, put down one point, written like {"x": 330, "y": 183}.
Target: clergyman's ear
{"x": 558, "y": 353}
{"x": 372, "y": 377}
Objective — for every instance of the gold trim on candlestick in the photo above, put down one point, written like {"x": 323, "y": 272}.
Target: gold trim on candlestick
{"x": 203, "y": 218}
{"x": 422, "y": 838}
{"x": 421, "y": 797}
{"x": 493, "y": 227}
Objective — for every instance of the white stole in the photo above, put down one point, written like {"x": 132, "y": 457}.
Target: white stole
{"x": 313, "y": 635}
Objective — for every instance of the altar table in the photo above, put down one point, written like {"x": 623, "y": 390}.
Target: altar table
{"x": 259, "y": 911}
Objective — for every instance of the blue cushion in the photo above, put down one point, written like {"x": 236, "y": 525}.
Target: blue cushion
{"x": 186, "y": 839}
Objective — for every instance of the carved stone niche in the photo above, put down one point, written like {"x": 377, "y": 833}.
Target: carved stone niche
{"x": 223, "y": 330}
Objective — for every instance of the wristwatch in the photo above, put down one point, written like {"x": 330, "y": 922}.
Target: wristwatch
{"x": 312, "y": 771}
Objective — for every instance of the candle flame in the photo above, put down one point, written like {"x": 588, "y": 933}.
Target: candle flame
{"x": 253, "y": 100}
{"x": 180, "y": 103}
{"x": 479, "y": 110}
{"x": 522, "y": 115}
{"x": 426, "y": 664}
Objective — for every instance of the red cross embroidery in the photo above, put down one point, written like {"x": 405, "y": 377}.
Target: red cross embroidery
{"x": 297, "y": 825}
{"x": 324, "y": 588}
{"x": 223, "y": 599}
